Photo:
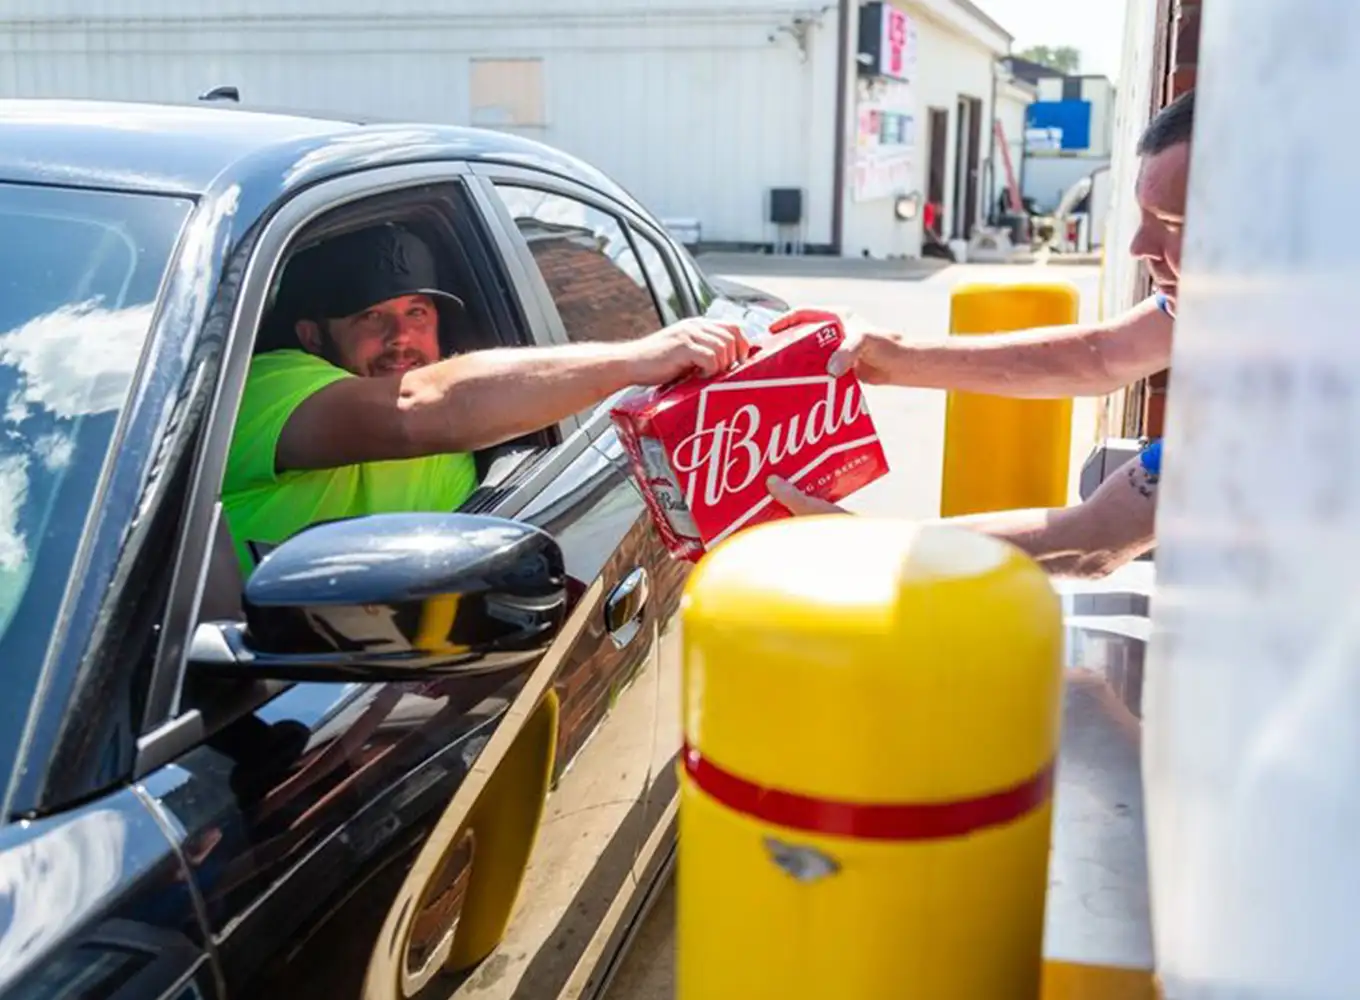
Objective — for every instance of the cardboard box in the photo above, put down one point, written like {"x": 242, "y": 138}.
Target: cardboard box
{"x": 702, "y": 448}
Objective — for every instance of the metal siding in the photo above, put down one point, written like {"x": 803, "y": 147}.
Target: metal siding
{"x": 1050, "y": 88}
{"x": 1122, "y": 281}
{"x": 1100, "y": 93}
{"x": 696, "y": 108}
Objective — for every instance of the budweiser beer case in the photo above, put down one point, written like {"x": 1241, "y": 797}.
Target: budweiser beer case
{"x": 701, "y": 449}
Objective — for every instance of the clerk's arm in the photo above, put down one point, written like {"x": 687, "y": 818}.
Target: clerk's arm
{"x": 1083, "y": 359}
{"x": 1112, "y": 527}
{"x": 482, "y": 398}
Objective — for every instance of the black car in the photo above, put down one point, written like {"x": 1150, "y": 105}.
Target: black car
{"x": 411, "y": 755}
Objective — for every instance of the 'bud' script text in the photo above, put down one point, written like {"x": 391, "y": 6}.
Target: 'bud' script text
{"x": 727, "y": 457}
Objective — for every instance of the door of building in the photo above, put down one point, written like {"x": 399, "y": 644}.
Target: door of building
{"x": 967, "y": 167}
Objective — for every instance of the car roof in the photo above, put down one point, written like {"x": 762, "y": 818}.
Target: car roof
{"x": 191, "y": 149}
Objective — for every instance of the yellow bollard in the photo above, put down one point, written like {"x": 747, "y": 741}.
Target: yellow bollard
{"x": 871, "y": 719}
{"x": 1002, "y": 453}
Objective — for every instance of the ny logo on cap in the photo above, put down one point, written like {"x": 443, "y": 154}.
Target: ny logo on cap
{"x": 394, "y": 258}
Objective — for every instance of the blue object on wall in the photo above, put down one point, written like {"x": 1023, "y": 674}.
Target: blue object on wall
{"x": 1073, "y": 117}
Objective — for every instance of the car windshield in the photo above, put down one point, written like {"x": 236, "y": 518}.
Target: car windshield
{"x": 80, "y": 271}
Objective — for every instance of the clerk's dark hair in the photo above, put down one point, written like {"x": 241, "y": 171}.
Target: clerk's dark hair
{"x": 1169, "y": 127}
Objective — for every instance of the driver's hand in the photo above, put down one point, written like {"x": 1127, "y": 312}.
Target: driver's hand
{"x": 690, "y": 347}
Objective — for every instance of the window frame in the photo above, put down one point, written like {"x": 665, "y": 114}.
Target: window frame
{"x": 621, "y": 223}
{"x": 169, "y": 727}
{"x": 632, "y": 223}
{"x": 696, "y": 283}
{"x": 635, "y": 234}
{"x": 596, "y": 422}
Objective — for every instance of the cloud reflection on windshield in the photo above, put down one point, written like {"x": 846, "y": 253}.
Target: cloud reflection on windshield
{"x": 75, "y": 361}
{"x": 70, "y": 363}
{"x": 13, "y": 493}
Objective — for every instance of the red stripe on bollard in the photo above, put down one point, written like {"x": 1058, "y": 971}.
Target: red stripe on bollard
{"x": 868, "y": 820}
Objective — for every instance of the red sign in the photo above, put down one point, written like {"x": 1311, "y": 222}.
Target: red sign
{"x": 894, "y": 42}
{"x": 887, "y": 42}
{"x": 701, "y": 449}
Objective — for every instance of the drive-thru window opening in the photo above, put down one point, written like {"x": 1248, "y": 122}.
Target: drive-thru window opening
{"x": 1176, "y": 62}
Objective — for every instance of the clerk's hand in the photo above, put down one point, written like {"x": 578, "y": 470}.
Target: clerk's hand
{"x": 795, "y": 501}
{"x": 689, "y": 347}
{"x": 876, "y": 356}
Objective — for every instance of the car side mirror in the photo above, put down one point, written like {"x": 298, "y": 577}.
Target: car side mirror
{"x": 394, "y": 597}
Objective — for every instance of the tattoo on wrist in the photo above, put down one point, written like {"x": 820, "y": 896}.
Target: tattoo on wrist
{"x": 1143, "y": 481}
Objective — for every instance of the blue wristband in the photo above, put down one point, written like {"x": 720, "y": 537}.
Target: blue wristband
{"x": 1151, "y": 458}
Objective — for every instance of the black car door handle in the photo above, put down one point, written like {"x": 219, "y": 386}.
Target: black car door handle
{"x": 624, "y": 608}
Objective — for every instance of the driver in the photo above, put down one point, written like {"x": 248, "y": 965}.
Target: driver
{"x": 363, "y": 417}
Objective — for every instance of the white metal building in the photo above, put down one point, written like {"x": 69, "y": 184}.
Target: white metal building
{"x": 949, "y": 95}
{"x": 700, "y": 107}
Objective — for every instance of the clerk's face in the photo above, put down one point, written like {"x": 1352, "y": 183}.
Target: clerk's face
{"x": 1162, "y": 182}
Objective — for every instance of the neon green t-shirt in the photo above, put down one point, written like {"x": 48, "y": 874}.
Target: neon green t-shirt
{"x": 265, "y": 506}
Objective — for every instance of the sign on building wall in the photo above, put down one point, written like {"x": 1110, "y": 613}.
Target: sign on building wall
{"x": 886, "y": 104}
{"x": 885, "y": 141}
{"x": 887, "y": 42}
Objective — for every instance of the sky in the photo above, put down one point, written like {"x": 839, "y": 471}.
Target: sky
{"x": 1096, "y": 27}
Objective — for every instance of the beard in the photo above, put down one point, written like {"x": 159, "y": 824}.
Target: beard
{"x": 386, "y": 363}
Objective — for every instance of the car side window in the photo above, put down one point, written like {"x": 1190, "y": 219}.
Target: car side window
{"x": 663, "y": 285}
{"x": 588, "y": 263}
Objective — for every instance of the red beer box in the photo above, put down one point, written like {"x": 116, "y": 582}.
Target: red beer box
{"x": 702, "y": 448}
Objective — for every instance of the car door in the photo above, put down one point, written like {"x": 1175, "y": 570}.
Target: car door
{"x": 643, "y": 262}
{"x": 100, "y": 905}
{"x": 332, "y": 811}
{"x": 595, "y": 819}
{"x": 312, "y": 801}
{"x": 664, "y": 264}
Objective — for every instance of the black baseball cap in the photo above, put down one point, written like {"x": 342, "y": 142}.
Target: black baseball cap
{"x": 353, "y": 272}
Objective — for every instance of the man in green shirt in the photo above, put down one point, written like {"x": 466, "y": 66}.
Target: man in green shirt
{"x": 364, "y": 417}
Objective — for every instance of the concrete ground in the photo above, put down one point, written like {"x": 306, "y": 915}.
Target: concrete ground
{"x": 913, "y": 298}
